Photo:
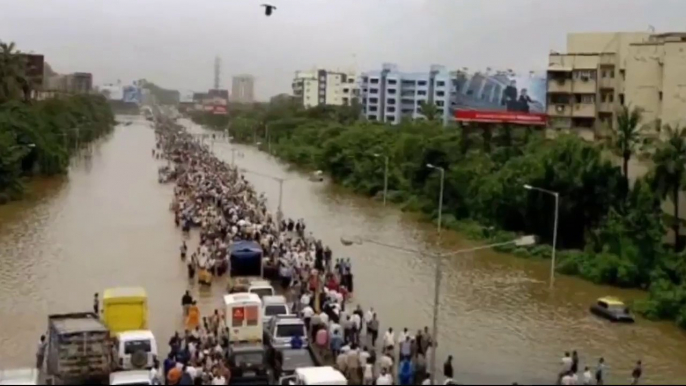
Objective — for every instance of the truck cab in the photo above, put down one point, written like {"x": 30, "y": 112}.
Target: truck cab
{"x": 135, "y": 350}
{"x": 125, "y": 309}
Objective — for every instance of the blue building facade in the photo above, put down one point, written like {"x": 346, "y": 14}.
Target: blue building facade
{"x": 390, "y": 96}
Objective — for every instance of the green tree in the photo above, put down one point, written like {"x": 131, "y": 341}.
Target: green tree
{"x": 670, "y": 170}
{"x": 429, "y": 110}
{"x": 12, "y": 73}
{"x": 626, "y": 138}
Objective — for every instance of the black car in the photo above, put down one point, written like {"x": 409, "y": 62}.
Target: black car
{"x": 249, "y": 366}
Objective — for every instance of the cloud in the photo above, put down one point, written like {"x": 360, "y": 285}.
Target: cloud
{"x": 174, "y": 42}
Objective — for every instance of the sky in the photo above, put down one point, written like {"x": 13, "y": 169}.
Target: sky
{"x": 174, "y": 42}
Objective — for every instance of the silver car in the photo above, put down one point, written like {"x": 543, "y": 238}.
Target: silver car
{"x": 282, "y": 330}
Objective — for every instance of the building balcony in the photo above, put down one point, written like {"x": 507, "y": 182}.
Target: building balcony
{"x": 559, "y": 110}
{"x": 584, "y": 110}
{"x": 584, "y": 86}
{"x": 607, "y": 83}
{"x": 559, "y": 86}
{"x": 606, "y": 107}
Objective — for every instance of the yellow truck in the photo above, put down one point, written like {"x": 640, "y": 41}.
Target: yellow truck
{"x": 125, "y": 309}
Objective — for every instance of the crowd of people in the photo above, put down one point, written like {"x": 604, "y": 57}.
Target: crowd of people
{"x": 215, "y": 198}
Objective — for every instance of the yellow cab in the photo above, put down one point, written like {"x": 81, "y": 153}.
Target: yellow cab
{"x": 125, "y": 309}
{"x": 613, "y": 309}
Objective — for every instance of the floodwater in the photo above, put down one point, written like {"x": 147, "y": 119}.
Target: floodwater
{"x": 108, "y": 224}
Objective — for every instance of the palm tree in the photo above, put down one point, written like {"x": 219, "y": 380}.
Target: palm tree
{"x": 670, "y": 170}
{"x": 429, "y": 110}
{"x": 627, "y": 137}
{"x": 13, "y": 79}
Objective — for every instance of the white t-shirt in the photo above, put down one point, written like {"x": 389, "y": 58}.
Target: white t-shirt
{"x": 364, "y": 355}
{"x": 566, "y": 364}
{"x": 388, "y": 339}
{"x": 192, "y": 371}
{"x": 305, "y": 300}
{"x": 357, "y": 321}
{"x": 218, "y": 380}
{"x": 567, "y": 380}
{"x": 308, "y": 312}
{"x": 368, "y": 371}
{"x": 384, "y": 380}
{"x": 588, "y": 377}
{"x": 386, "y": 362}
{"x": 324, "y": 317}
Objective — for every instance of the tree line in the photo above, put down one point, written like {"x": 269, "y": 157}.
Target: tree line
{"x": 38, "y": 137}
{"x": 611, "y": 231}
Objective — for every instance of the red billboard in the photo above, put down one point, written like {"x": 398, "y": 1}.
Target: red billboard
{"x": 514, "y": 117}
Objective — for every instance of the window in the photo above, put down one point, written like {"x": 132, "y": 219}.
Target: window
{"x": 373, "y": 109}
{"x": 390, "y": 101}
{"x": 249, "y": 359}
{"x": 659, "y": 95}
{"x": 373, "y": 90}
{"x": 409, "y": 83}
{"x": 390, "y": 109}
{"x": 390, "y": 118}
{"x": 585, "y": 74}
{"x": 391, "y": 91}
{"x": 133, "y": 346}
{"x": 440, "y": 93}
{"x": 277, "y": 309}
{"x": 440, "y": 83}
{"x": 421, "y": 92}
{"x": 289, "y": 330}
{"x": 439, "y": 111}
{"x": 351, "y": 80}
{"x": 371, "y": 117}
{"x": 421, "y": 83}
{"x": 607, "y": 98}
{"x": 346, "y": 90}
{"x": 440, "y": 103}
{"x": 585, "y": 98}
{"x": 373, "y": 100}
{"x": 392, "y": 81}
{"x": 374, "y": 81}
{"x": 346, "y": 101}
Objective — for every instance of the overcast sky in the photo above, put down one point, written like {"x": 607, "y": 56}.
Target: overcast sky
{"x": 174, "y": 42}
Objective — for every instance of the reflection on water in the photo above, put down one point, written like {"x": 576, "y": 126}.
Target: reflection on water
{"x": 109, "y": 225}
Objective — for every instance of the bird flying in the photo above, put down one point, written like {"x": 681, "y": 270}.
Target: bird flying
{"x": 268, "y": 9}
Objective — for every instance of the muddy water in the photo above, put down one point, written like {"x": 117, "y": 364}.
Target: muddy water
{"x": 108, "y": 225}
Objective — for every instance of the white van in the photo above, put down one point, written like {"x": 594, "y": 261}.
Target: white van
{"x": 315, "y": 376}
{"x": 19, "y": 377}
{"x": 261, "y": 288}
{"x": 136, "y": 350}
{"x": 273, "y": 306}
{"x": 245, "y": 313}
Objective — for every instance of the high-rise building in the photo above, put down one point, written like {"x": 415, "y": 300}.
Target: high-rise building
{"x": 389, "y": 95}
{"x": 602, "y": 71}
{"x": 243, "y": 89}
{"x": 325, "y": 87}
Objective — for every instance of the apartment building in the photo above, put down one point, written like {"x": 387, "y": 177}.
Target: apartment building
{"x": 389, "y": 95}
{"x": 602, "y": 71}
{"x": 243, "y": 89}
{"x": 325, "y": 87}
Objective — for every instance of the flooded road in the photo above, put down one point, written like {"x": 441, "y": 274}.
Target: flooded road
{"x": 109, "y": 225}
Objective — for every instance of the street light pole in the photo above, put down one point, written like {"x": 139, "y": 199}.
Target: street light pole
{"x": 440, "y": 195}
{"x": 279, "y": 213}
{"x": 438, "y": 274}
{"x": 385, "y": 177}
{"x": 557, "y": 212}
